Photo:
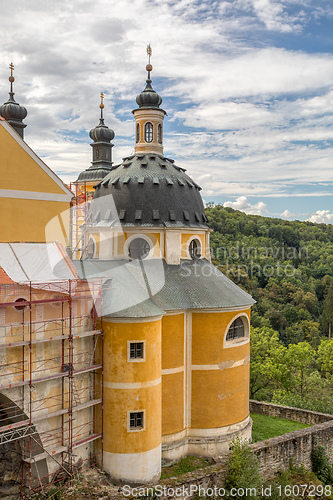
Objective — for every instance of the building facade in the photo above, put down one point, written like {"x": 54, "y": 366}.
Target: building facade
{"x": 176, "y": 330}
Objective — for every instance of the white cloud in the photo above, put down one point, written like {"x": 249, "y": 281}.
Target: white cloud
{"x": 244, "y": 205}
{"x": 287, "y": 215}
{"x": 322, "y": 216}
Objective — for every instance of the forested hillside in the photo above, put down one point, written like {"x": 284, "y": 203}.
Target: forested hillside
{"x": 288, "y": 268}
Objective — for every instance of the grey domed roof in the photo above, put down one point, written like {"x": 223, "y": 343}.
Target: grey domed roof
{"x": 14, "y": 113}
{"x": 94, "y": 173}
{"x": 149, "y": 190}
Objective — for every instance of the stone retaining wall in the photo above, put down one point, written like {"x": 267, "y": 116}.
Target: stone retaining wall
{"x": 274, "y": 454}
{"x": 290, "y": 413}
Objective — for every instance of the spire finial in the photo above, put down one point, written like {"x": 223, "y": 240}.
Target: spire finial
{"x": 102, "y": 106}
{"x": 11, "y": 78}
{"x": 149, "y": 67}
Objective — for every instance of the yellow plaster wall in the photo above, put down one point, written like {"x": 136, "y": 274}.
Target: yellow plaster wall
{"x": 172, "y": 341}
{"x": 219, "y": 397}
{"x": 208, "y": 331}
{"x": 116, "y": 366}
{"x": 118, "y": 401}
{"x": 26, "y": 220}
{"x": 184, "y": 242}
{"x": 19, "y": 171}
{"x": 172, "y": 403}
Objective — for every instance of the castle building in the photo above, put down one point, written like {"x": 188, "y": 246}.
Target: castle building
{"x": 176, "y": 330}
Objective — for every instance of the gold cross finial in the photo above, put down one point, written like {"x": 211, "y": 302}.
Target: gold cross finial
{"x": 11, "y": 78}
{"x": 102, "y": 101}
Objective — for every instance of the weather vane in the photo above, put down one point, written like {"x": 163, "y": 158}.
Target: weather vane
{"x": 149, "y": 67}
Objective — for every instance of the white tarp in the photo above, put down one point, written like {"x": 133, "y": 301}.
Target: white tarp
{"x": 40, "y": 263}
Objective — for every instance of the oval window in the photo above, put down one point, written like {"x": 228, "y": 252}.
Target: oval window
{"x": 148, "y": 132}
{"x": 21, "y": 304}
{"x": 195, "y": 249}
{"x": 236, "y": 330}
{"x": 91, "y": 248}
{"x": 138, "y": 249}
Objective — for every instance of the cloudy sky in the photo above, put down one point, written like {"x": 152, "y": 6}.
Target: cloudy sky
{"x": 247, "y": 85}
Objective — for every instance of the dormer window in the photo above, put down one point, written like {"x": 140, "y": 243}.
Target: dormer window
{"x": 149, "y": 132}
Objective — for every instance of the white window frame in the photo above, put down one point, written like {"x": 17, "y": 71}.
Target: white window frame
{"x": 136, "y": 360}
{"x": 195, "y": 237}
{"x": 240, "y": 340}
{"x": 134, "y": 237}
{"x": 138, "y": 429}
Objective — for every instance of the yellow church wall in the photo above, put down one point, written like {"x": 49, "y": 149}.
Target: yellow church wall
{"x": 26, "y": 220}
{"x": 131, "y": 386}
{"x": 172, "y": 403}
{"x": 20, "y": 171}
{"x": 208, "y": 331}
{"x": 116, "y": 337}
{"x": 117, "y": 404}
{"x": 185, "y": 241}
{"x": 226, "y": 401}
{"x": 172, "y": 341}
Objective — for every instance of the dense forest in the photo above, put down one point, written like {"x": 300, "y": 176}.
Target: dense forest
{"x": 288, "y": 269}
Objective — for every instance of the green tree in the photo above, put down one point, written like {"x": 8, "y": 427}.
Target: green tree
{"x": 328, "y": 310}
{"x": 243, "y": 471}
{"x": 267, "y": 354}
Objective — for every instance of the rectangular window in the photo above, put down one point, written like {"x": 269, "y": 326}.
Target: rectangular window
{"x": 136, "y": 351}
{"x": 136, "y": 420}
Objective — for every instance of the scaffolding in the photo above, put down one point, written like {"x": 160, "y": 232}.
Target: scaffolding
{"x": 80, "y": 210}
{"x": 51, "y": 379}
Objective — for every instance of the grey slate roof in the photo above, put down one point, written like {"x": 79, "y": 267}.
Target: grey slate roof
{"x": 150, "y": 190}
{"x": 150, "y": 287}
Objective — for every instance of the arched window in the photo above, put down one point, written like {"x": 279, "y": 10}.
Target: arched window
{"x": 149, "y": 132}
{"x": 139, "y": 249}
{"x": 195, "y": 249}
{"x": 159, "y": 133}
{"x": 236, "y": 330}
{"x": 91, "y": 248}
{"x": 137, "y": 132}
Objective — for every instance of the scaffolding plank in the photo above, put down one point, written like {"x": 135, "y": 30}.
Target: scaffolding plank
{"x": 42, "y": 456}
{"x": 86, "y": 440}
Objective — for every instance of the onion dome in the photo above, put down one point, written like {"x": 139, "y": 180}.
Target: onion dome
{"x": 148, "y": 97}
{"x": 11, "y": 110}
{"x": 149, "y": 190}
{"x": 102, "y": 150}
{"x": 101, "y": 133}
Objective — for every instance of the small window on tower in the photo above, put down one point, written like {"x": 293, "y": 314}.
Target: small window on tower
{"x": 136, "y": 420}
{"x": 136, "y": 351}
{"x": 195, "y": 249}
{"x": 137, "y": 132}
{"x": 159, "y": 133}
{"x": 148, "y": 132}
{"x": 91, "y": 248}
{"x": 97, "y": 154}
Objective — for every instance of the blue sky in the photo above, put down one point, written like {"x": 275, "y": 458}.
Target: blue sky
{"x": 247, "y": 85}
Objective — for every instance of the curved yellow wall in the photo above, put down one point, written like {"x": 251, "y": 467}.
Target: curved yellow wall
{"x": 220, "y": 376}
{"x": 173, "y": 379}
{"x": 132, "y": 386}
